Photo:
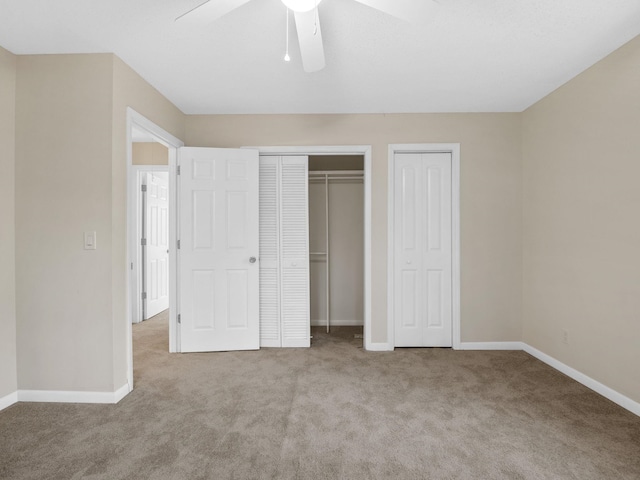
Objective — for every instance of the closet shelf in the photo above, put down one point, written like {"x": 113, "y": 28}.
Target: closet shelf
{"x": 322, "y": 173}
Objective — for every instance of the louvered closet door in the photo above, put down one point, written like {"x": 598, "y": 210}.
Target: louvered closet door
{"x": 269, "y": 248}
{"x": 294, "y": 252}
{"x": 284, "y": 252}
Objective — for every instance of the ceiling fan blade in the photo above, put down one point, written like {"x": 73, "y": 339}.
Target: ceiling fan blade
{"x": 209, "y": 11}
{"x": 408, "y": 10}
{"x": 310, "y": 38}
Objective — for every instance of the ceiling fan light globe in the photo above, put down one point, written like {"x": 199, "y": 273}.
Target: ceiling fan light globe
{"x": 301, "y": 5}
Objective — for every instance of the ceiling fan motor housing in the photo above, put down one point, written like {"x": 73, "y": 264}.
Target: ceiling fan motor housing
{"x": 301, "y": 5}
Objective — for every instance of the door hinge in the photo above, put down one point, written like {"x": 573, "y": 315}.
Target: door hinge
{"x": 143, "y": 242}
{"x": 144, "y": 295}
{"x": 178, "y": 169}
{"x": 144, "y": 188}
{"x": 178, "y": 244}
{"x": 179, "y": 319}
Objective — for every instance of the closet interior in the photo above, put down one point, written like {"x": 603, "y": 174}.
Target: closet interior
{"x": 336, "y": 243}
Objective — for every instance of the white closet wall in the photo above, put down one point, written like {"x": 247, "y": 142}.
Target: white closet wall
{"x": 284, "y": 252}
{"x": 346, "y": 246}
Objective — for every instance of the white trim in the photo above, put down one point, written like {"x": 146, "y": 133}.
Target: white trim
{"x": 364, "y": 150}
{"x": 72, "y": 397}
{"x": 455, "y": 242}
{"x": 490, "y": 346}
{"x": 174, "y": 305}
{"x": 607, "y": 392}
{"x": 172, "y": 143}
{"x": 379, "y": 347}
{"x": 8, "y": 400}
{"x": 122, "y": 392}
{"x": 160, "y": 135}
{"x": 454, "y": 149}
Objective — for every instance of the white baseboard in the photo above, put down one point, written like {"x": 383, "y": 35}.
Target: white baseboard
{"x": 8, "y": 400}
{"x": 611, "y": 394}
{"x": 73, "y": 397}
{"x": 122, "y": 392}
{"x": 336, "y": 323}
{"x": 378, "y": 347}
{"x": 490, "y": 346}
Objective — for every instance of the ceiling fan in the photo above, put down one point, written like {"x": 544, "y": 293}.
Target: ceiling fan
{"x": 308, "y": 22}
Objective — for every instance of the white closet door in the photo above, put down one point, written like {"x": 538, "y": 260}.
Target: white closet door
{"x": 422, "y": 250}
{"x": 269, "y": 248}
{"x": 284, "y": 252}
{"x": 218, "y": 271}
{"x": 294, "y": 252}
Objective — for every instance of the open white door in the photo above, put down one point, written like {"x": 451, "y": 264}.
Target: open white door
{"x": 156, "y": 235}
{"x": 218, "y": 234}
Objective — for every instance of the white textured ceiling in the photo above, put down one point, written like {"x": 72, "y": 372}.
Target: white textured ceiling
{"x": 474, "y": 56}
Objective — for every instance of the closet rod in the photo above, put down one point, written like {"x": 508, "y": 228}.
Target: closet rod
{"x": 322, "y": 179}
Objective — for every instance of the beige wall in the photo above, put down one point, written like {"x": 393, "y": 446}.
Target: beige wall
{"x": 71, "y": 156}
{"x": 63, "y": 188}
{"x": 581, "y": 149}
{"x": 491, "y": 209}
{"x": 149, "y": 153}
{"x": 8, "y": 372}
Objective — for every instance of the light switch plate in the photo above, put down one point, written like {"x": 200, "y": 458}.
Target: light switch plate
{"x": 90, "y": 240}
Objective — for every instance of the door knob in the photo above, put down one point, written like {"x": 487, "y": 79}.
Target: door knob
{"x": 252, "y": 259}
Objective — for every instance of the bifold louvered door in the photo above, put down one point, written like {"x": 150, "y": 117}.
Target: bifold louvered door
{"x": 284, "y": 252}
{"x": 269, "y": 248}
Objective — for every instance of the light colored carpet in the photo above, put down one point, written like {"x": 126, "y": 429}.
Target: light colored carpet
{"x": 332, "y": 411}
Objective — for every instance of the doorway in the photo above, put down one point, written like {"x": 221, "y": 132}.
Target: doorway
{"x": 363, "y": 152}
{"x": 423, "y": 284}
{"x": 336, "y": 247}
{"x": 151, "y": 157}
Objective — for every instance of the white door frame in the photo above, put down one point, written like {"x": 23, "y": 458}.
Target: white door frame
{"x": 364, "y": 150}
{"x": 454, "y": 149}
{"x": 172, "y": 143}
{"x": 135, "y": 196}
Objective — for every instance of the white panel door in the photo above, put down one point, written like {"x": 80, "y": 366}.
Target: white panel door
{"x": 218, "y": 231}
{"x": 156, "y": 233}
{"x": 422, "y": 250}
{"x": 294, "y": 252}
